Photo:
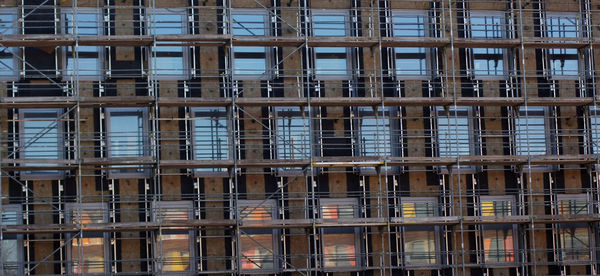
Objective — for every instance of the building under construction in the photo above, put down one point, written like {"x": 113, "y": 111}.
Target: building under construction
{"x": 300, "y": 137}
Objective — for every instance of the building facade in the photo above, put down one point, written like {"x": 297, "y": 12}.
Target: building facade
{"x": 340, "y": 137}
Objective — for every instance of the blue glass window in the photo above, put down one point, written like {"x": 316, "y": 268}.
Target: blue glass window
{"x": 530, "y": 131}
{"x": 410, "y": 61}
{"x": 83, "y": 22}
{"x": 250, "y": 61}
{"x": 563, "y": 62}
{"x": 488, "y": 61}
{"x": 12, "y": 244}
{"x": 128, "y": 136}
{"x": 330, "y": 62}
{"x": 375, "y": 133}
{"x": 9, "y": 64}
{"x": 169, "y": 61}
{"x": 41, "y": 138}
{"x": 210, "y": 135}
{"x": 595, "y": 129}
{"x": 454, "y": 135}
{"x": 293, "y": 134}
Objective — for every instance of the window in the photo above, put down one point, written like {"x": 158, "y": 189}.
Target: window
{"x": 574, "y": 238}
{"x": 411, "y": 63}
{"x": 530, "y": 131}
{"x": 331, "y": 62}
{"x": 259, "y": 247}
{"x": 88, "y": 255}
{"x": 375, "y": 132}
{"x": 454, "y": 131}
{"x": 498, "y": 240}
{"x": 128, "y": 136}
{"x": 293, "y": 133}
{"x": 563, "y": 62}
{"x": 83, "y": 22}
{"x": 595, "y": 129}
{"x": 250, "y": 62}
{"x": 9, "y": 63}
{"x": 169, "y": 62}
{"x": 12, "y": 244}
{"x": 174, "y": 249}
{"x": 339, "y": 244}
{"x": 210, "y": 136}
{"x": 419, "y": 242}
{"x": 488, "y": 62}
{"x": 41, "y": 138}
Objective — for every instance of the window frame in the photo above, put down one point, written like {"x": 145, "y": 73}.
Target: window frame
{"x": 194, "y": 115}
{"x": 524, "y": 111}
{"x": 145, "y": 147}
{"x": 185, "y": 51}
{"x": 100, "y": 49}
{"x": 427, "y": 51}
{"x": 60, "y": 148}
{"x": 497, "y": 227}
{"x": 356, "y": 230}
{"x": 348, "y": 50}
{"x": 436, "y": 229}
{"x": 14, "y": 28}
{"x": 180, "y": 204}
{"x": 547, "y": 33}
{"x": 267, "y": 49}
{"x": 472, "y": 71}
{"x": 468, "y": 111}
{"x": 69, "y": 209}
{"x": 391, "y": 148}
{"x": 573, "y": 226}
{"x": 276, "y": 234}
{"x": 18, "y": 209}
{"x": 278, "y": 141}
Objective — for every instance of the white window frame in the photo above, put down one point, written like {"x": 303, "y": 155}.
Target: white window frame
{"x": 250, "y": 205}
{"x": 512, "y": 227}
{"x": 183, "y": 12}
{"x": 357, "y": 233}
{"x": 561, "y": 226}
{"x": 202, "y": 172}
{"x": 18, "y": 237}
{"x": 428, "y": 51}
{"x": 100, "y": 49}
{"x": 157, "y": 206}
{"x": 549, "y": 34}
{"x": 70, "y": 208}
{"x": 471, "y": 51}
{"x": 436, "y": 229}
{"x": 24, "y": 144}
{"x": 267, "y": 50}
{"x": 348, "y": 50}
{"x": 147, "y": 152}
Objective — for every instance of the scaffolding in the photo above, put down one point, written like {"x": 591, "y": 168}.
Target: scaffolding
{"x": 460, "y": 170}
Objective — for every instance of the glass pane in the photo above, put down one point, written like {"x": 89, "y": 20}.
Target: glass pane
{"x": 248, "y": 24}
{"x": 41, "y": 138}
{"x": 174, "y": 249}
{"x": 250, "y": 60}
{"x": 337, "y": 211}
{"x": 409, "y": 25}
{"x": 496, "y": 208}
{"x": 127, "y": 134}
{"x": 562, "y": 26}
{"x": 92, "y": 250}
{"x": 498, "y": 245}
{"x": 257, "y": 213}
{"x": 172, "y": 214}
{"x": 8, "y": 25}
{"x": 573, "y": 206}
{"x": 375, "y": 136}
{"x": 453, "y": 132}
{"x": 595, "y": 129}
{"x": 292, "y": 134}
{"x": 331, "y": 61}
{"x": 329, "y": 25}
{"x": 257, "y": 251}
{"x": 339, "y": 250}
{"x": 488, "y": 61}
{"x": 487, "y": 26}
{"x": 530, "y": 132}
{"x": 575, "y": 243}
{"x": 10, "y": 257}
{"x": 419, "y": 247}
{"x": 87, "y": 216}
{"x": 167, "y": 23}
{"x": 411, "y": 61}
{"x": 85, "y": 23}
{"x": 211, "y": 136}
{"x": 564, "y": 62}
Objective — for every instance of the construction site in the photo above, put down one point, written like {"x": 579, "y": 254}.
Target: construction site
{"x": 299, "y": 137}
